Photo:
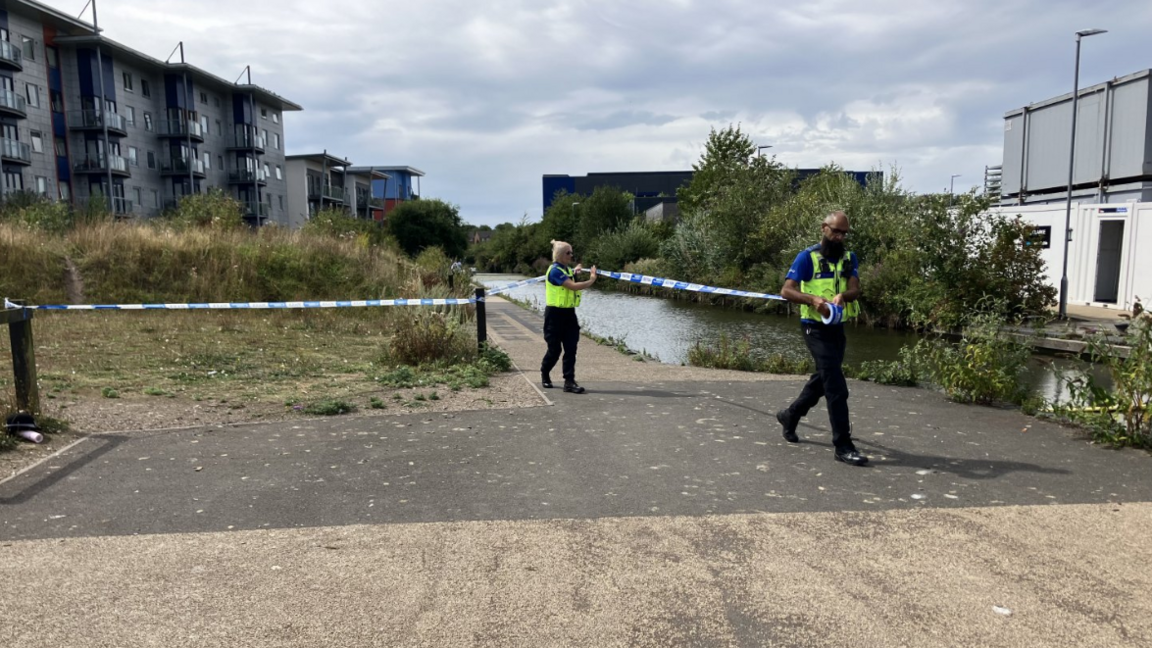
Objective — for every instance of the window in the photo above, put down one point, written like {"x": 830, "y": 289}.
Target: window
{"x": 53, "y": 56}
{"x": 42, "y": 185}
{"x": 279, "y": 174}
{"x": 203, "y": 97}
{"x": 145, "y": 89}
{"x": 33, "y": 92}
{"x": 219, "y": 127}
{"x": 13, "y": 180}
{"x": 57, "y": 101}
{"x": 263, "y": 113}
{"x": 204, "y": 124}
{"x": 264, "y": 135}
{"x": 156, "y": 199}
{"x": 207, "y": 160}
{"x": 281, "y": 202}
{"x": 37, "y": 141}
{"x": 61, "y": 147}
{"x": 216, "y": 101}
{"x": 128, "y": 82}
{"x": 133, "y": 156}
{"x": 147, "y": 121}
{"x": 151, "y": 159}
{"x": 65, "y": 190}
{"x": 266, "y": 174}
{"x": 131, "y": 116}
{"x": 276, "y": 141}
{"x": 29, "y": 47}
{"x": 220, "y": 162}
{"x": 275, "y": 118}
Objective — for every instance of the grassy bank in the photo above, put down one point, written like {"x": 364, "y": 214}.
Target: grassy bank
{"x": 307, "y": 361}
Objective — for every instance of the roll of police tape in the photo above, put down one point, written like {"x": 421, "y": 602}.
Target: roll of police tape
{"x": 835, "y": 314}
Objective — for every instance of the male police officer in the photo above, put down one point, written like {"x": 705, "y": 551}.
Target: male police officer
{"x": 825, "y": 279}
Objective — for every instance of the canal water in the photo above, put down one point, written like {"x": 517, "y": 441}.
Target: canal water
{"x": 666, "y": 329}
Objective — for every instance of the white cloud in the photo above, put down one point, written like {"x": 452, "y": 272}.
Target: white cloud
{"x": 488, "y": 97}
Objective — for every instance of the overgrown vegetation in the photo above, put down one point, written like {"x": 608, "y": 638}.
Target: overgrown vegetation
{"x": 319, "y": 362}
{"x": 738, "y": 355}
{"x": 926, "y": 260}
{"x": 1121, "y": 416}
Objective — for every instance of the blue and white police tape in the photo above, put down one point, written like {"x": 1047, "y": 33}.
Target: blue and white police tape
{"x": 684, "y": 285}
{"x": 254, "y": 305}
{"x": 518, "y": 284}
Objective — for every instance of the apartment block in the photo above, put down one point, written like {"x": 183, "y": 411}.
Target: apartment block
{"x": 85, "y": 117}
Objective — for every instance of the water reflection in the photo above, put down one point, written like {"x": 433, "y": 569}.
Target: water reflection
{"x": 667, "y": 329}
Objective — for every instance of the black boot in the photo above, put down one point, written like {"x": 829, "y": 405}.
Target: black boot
{"x": 545, "y": 381}
{"x": 789, "y": 425}
{"x": 570, "y": 386}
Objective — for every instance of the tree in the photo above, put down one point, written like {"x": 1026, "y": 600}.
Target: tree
{"x": 420, "y": 224}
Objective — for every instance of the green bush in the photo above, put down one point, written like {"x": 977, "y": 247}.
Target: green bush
{"x": 616, "y": 249}
{"x": 904, "y": 372}
{"x": 213, "y": 209}
{"x": 427, "y": 336}
{"x": 1121, "y": 416}
{"x": 986, "y": 366}
{"x": 739, "y": 356}
{"x": 494, "y": 359}
{"x": 329, "y": 407}
{"x": 37, "y": 212}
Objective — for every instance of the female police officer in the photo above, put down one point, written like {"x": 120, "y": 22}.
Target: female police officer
{"x": 560, "y": 326}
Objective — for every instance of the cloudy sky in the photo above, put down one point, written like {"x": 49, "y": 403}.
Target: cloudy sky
{"x": 486, "y": 97}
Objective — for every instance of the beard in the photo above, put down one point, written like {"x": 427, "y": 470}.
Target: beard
{"x": 831, "y": 249}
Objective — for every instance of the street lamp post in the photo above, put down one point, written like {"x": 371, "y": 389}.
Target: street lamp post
{"x": 1063, "y": 312}
{"x": 951, "y": 185}
{"x": 760, "y": 150}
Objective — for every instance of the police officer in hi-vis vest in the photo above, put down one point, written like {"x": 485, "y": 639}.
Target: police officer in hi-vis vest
{"x": 825, "y": 281}
{"x": 560, "y": 326}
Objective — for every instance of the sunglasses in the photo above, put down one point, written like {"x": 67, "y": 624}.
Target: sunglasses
{"x": 839, "y": 232}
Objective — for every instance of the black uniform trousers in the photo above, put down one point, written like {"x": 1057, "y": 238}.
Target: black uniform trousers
{"x": 826, "y": 344}
{"x": 561, "y": 331}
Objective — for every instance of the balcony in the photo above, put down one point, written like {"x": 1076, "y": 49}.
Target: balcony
{"x": 256, "y": 210}
{"x": 102, "y": 164}
{"x": 246, "y": 177}
{"x": 93, "y": 120}
{"x": 14, "y": 152}
{"x": 371, "y": 203}
{"x": 182, "y": 167}
{"x": 122, "y": 207}
{"x": 11, "y": 58}
{"x": 327, "y": 192}
{"x": 181, "y": 129}
{"x": 246, "y": 141}
{"x": 13, "y": 105}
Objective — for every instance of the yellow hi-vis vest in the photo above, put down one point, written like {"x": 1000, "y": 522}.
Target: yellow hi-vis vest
{"x": 560, "y": 296}
{"x": 828, "y": 280}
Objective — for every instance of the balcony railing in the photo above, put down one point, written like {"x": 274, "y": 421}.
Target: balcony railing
{"x": 118, "y": 206}
{"x": 102, "y": 163}
{"x": 15, "y": 151}
{"x": 94, "y": 119}
{"x": 254, "y": 209}
{"x": 247, "y": 140}
{"x": 179, "y": 128}
{"x": 11, "y": 56}
{"x": 374, "y": 203}
{"x": 182, "y": 166}
{"x": 328, "y": 192}
{"x": 13, "y": 103}
{"x": 244, "y": 176}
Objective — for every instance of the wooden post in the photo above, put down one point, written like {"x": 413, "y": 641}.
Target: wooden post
{"x": 481, "y": 321}
{"x": 19, "y": 321}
